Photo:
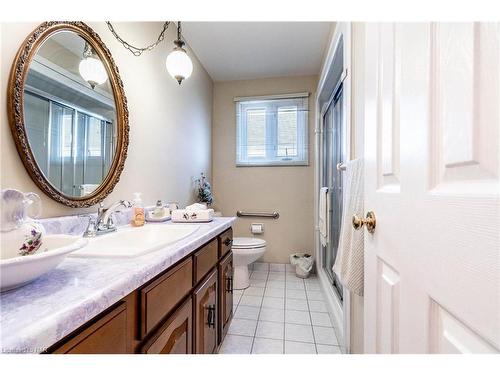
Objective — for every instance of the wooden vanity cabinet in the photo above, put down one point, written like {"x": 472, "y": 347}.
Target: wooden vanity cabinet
{"x": 185, "y": 309}
{"x": 205, "y": 315}
{"x": 225, "y": 294}
{"x": 176, "y": 335}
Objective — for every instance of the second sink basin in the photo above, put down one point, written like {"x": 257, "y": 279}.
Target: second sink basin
{"x": 128, "y": 242}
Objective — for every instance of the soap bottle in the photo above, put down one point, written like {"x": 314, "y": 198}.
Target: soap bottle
{"x": 138, "y": 218}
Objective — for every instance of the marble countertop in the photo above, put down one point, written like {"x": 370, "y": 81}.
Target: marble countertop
{"x": 39, "y": 314}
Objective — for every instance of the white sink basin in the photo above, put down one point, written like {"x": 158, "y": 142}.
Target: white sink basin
{"x": 16, "y": 271}
{"x": 128, "y": 242}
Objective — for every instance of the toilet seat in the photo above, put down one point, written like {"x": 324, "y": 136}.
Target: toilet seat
{"x": 248, "y": 243}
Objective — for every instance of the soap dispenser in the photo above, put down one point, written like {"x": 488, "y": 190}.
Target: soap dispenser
{"x": 138, "y": 218}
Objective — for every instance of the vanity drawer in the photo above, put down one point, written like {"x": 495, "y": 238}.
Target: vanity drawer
{"x": 107, "y": 335}
{"x": 204, "y": 260}
{"x": 160, "y": 296}
{"x": 225, "y": 242}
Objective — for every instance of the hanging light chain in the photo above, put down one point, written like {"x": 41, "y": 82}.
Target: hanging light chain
{"x": 136, "y": 51}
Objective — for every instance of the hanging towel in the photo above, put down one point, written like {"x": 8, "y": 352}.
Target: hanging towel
{"x": 324, "y": 208}
{"x": 349, "y": 263}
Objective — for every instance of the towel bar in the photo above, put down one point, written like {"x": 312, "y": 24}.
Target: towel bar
{"x": 273, "y": 215}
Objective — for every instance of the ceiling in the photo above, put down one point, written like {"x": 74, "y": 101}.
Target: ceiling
{"x": 251, "y": 50}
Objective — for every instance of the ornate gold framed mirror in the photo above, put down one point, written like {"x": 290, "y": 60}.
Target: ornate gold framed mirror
{"x": 68, "y": 113}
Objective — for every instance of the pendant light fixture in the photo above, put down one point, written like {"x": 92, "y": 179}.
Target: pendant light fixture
{"x": 178, "y": 63}
{"x": 91, "y": 68}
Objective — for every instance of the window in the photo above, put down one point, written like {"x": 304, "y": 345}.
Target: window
{"x": 272, "y": 130}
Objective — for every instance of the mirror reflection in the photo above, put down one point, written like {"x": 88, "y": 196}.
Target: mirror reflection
{"x": 70, "y": 114}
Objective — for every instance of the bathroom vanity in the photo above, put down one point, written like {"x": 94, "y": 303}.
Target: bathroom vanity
{"x": 174, "y": 300}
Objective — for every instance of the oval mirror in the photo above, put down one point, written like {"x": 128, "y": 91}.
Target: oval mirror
{"x": 68, "y": 113}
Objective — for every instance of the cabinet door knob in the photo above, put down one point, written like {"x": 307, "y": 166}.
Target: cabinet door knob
{"x": 228, "y": 242}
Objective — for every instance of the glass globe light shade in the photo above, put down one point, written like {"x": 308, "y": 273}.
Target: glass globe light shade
{"x": 93, "y": 71}
{"x": 179, "y": 64}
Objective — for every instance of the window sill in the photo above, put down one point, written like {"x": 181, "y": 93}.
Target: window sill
{"x": 275, "y": 164}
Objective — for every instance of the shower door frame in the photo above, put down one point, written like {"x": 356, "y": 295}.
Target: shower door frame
{"x": 339, "y": 310}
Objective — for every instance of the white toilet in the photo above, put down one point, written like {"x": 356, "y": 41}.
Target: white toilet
{"x": 246, "y": 250}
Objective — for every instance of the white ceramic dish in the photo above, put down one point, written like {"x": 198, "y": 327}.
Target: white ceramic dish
{"x": 129, "y": 242}
{"x": 16, "y": 271}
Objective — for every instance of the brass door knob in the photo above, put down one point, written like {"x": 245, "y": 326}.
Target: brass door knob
{"x": 370, "y": 222}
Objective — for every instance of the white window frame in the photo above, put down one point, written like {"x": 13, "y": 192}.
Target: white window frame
{"x": 271, "y": 103}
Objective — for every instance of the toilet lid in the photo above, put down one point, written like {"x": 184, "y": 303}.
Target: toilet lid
{"x": 248, "y": 242}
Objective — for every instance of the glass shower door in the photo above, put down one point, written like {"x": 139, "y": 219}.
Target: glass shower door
{"x": 333, "y": 154}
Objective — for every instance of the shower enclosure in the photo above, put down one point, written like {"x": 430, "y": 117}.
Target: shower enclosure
{"x": 333, "y": 155}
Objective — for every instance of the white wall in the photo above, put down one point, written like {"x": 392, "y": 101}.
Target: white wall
{"x": 288, "y": 190}
{"x": 170, "y": 126}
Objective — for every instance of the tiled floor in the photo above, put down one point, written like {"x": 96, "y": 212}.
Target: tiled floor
{"x": 280, "y": 314}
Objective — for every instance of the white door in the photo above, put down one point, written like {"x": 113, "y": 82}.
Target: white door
{"x": 432, "y": 120}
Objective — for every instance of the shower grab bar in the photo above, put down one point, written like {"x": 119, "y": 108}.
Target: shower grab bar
{"x": 273, "y": 215}
{"x": 341, "y": 167}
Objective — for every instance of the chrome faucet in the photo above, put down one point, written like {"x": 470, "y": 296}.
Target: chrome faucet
{"x": 104, "y": 222}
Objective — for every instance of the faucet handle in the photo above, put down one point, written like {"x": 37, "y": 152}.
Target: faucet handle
{"x": 100, "y": 209}
{"x": 91, "y": 230}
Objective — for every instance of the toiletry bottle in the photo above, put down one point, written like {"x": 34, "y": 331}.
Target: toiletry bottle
{"x": 138, "y": 218}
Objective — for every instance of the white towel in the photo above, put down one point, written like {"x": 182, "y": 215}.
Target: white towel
{"x": 324, "y": 208}
{"x": 349, "y": 264}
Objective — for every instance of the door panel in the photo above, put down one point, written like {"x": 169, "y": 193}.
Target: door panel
{"x": 225, "y": 295}
{"x": 205, "y": 308}
{"x": 432, "y": 266}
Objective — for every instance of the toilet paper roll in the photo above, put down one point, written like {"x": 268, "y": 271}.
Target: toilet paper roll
{"x": 257, "y": 228}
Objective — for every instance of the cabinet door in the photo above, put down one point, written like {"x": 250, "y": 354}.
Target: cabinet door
{"x": 205, "y": 310}
{"x": 225, "y": 294}
{"x": 176, "y": 335}
{"x": 107, "y": 335}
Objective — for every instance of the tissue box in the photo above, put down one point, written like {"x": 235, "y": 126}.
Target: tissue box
{"x": 190, "y": 216}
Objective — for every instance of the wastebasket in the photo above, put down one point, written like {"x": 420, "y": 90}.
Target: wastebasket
{"x": 303, "y": 263}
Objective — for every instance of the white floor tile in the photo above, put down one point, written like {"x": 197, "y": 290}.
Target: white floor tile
{"x": 315, "y": 295}
{"x": 321, "y": 319}
{"x": 276, "y": 284}
{"x": 258, "y": 266}
{"x": 289, "y": 268}
{"x": 325, "y": 335}
{"x": 236, "y": 345}
{"x": 297, "y": 317}
{"x": 317, "y": 306}
{"x": 243, "y": 327}
{"x": 277, "y": 267}
{"x": 295, "y": 285}
{"x": 258, "y": 283}
{"x": 270, "y": 330}
{"x": 328, "y": 349}
{"x": 276, "y": 276}
{"x": 247, "y": 312}
{"x": 250, "y": 301}
{"x": 315, "y": 286}
{"x": 296, "y": 304}
{"x": 295, "y": 294}
{"x": 294, "y": 347}
{"x": 272, "y": 315}
{"x": 273, "y": 303}
{"x": 293, "y": 277}
{"x": 267, "y": 346}
{"x": 274, "y": 292}
{"x": 258, "y": 275}
{"x": 297, "y": 332}
{"x": 236, "y": 298}
{"x": 254, "y": 291}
